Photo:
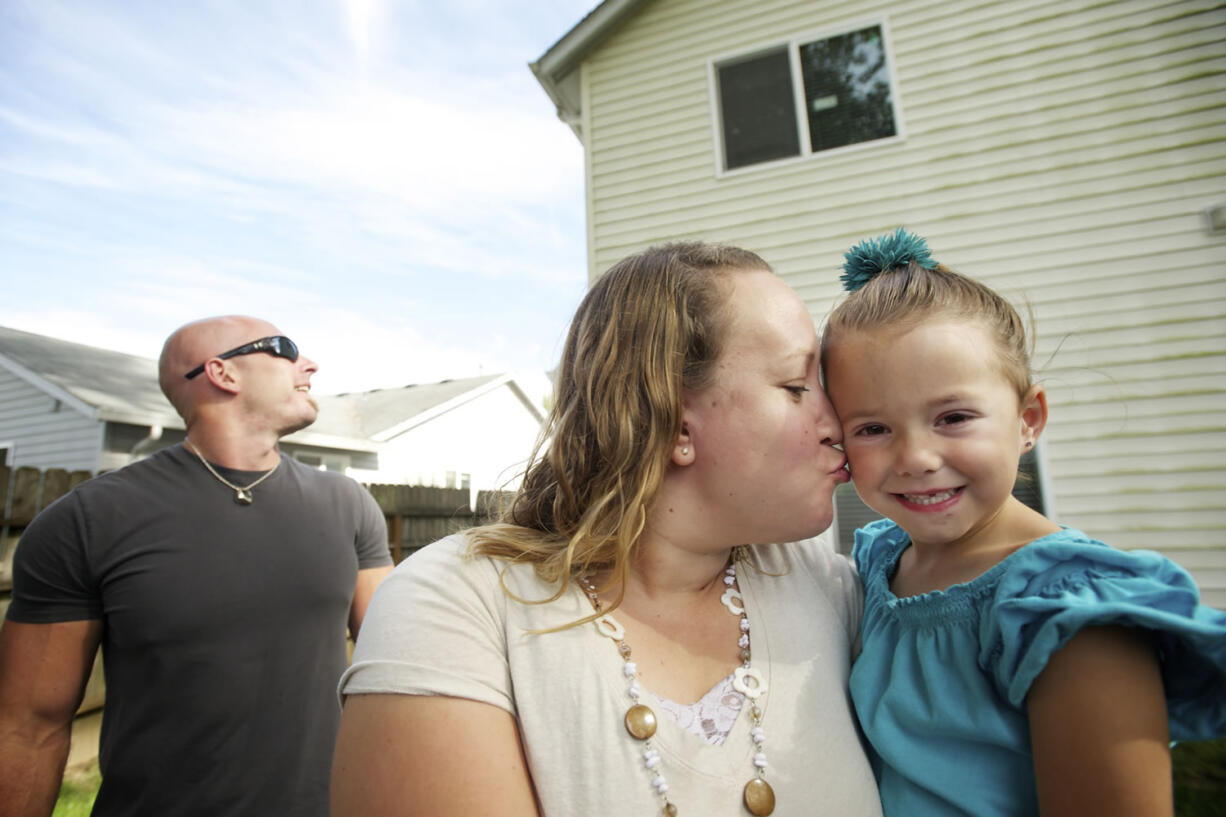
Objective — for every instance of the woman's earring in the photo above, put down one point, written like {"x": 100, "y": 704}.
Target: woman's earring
{"x": 685, "y": 450}
{"x": 1029, "y": 443}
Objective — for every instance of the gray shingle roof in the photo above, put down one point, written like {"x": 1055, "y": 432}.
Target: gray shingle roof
{"x": 369, "y": 413}
{"x": 117, "y": 386}
{"x": 123, "y": 388}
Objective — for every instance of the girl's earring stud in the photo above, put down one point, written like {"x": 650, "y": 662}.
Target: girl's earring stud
{"x": 685, "y": 451}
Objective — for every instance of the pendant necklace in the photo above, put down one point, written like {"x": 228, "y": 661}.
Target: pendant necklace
{"x": 242, "y": 494}
{"x": 640, "y": 720}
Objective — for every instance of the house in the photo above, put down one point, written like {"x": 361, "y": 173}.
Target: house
{"x": 1072, "y": 156}
{"x": 77, "y": 407}
{"x": 474, "y": 433}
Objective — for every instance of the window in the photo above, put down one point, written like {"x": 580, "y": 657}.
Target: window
{"x": 313, "y": 460}
{"x": 846, "y": 96}
{"x": 759, "y": 111}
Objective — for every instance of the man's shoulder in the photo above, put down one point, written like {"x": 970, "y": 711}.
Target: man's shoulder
{"x": 323, "y": 480}
{"x": 151, "y": 471}
{"x": 97, "y": 504}
{"x": 326, "y": 483}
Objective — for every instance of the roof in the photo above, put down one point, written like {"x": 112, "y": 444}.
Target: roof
{"x": 558, "y": 68}
{"x": 99, "y": 383}
{"x": 382, "y": 414}
{"x": 117, "y": 387}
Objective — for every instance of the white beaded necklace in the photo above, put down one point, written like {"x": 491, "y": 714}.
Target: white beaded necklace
{"x": 640, "y": 720}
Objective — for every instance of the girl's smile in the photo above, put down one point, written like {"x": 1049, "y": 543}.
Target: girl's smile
{"x": 933, "y": 502}
{"x": 931, "y": 428}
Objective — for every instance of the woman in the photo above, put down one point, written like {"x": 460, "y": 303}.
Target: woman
{"x": 624, "y": 641}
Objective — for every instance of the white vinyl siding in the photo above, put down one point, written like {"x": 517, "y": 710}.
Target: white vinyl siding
{"x": 44, "y": 433}
{"x": 1061, "y": 152}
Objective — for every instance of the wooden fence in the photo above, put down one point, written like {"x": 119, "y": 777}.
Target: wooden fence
{"x": 416, "y": 515}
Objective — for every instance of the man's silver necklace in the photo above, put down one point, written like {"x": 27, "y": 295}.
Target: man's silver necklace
{"x": 242, "y": 494}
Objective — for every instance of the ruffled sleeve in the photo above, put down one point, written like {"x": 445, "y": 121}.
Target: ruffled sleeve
{"x": 1057, "y": 585}
{"x": 876, "y": 548}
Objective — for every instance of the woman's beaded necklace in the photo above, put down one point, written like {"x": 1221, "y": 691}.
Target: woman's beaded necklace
{"x": 640, "y": 720}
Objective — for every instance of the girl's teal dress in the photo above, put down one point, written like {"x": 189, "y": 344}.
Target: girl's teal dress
{"x": 940, "y": 685}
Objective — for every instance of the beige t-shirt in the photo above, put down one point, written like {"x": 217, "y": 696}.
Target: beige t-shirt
{"x": 441, "y": 624}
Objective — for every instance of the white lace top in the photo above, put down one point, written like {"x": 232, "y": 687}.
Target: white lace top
{"x": 711, "y": 717}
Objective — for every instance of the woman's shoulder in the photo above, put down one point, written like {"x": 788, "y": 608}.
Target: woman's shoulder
{"x": 435, "y": 626}
{"x": 811, "y": 575}
{"x": 815, "y": 558}
{"x": 451, "y": 554}
{"x": 447, "y": 573}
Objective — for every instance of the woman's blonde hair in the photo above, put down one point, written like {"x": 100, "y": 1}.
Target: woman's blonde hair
{"x": 903, "y": 296}
{"x": 650, "y": 328}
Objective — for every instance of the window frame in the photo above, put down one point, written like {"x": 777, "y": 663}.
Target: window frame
{"x": 792, "y": 46}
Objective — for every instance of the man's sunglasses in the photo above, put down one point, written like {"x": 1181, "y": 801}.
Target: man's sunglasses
{"x": 278, "y": 345}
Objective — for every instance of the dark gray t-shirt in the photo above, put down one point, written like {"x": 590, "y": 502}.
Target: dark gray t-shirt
{"x": 223, "y": 627}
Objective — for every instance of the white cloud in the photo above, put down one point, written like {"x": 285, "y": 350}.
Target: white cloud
{"x": 356, "y": 350}
{"x": 356, "y": 171}
{"x": 379, "y": 141}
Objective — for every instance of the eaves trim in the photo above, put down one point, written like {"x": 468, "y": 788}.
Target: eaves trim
{"x": 442, "y": 408}
{"x": 43, "y": 384}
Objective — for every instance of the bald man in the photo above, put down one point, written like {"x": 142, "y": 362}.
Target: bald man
{"x": 219, "y": 577}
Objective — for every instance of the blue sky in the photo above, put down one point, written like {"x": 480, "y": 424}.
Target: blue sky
{"x": 383, "y": 179}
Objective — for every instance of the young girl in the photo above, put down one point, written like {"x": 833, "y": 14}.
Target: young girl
{"x": 1010, "y": 666}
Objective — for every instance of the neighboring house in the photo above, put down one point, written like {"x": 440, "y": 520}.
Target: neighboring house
{"x": 67, "y": 405}
{"x": 1071, "y": 155}
{"x": 475, "y": 433}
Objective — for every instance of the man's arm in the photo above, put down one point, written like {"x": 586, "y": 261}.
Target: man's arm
{"x": 43, "y": 671}
{"x": 368, "y": 580}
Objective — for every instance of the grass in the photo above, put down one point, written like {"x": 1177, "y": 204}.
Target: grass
{"x": 1200, "y": 778}
{"x": 1200, "y": 783}
{"x": 77, "y": 793}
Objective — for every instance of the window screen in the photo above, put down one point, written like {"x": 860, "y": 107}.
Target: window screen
{"x": 847, "y": 89}
{"x": 759, "y": 110}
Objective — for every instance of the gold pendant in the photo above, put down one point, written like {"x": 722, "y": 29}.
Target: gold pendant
{"x": 759, "y": 797}
{"x": 243, "y": 497}
{"x": 640, "y": 722}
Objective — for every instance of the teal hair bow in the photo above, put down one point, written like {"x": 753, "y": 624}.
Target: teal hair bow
{"x": 872, "y": 256}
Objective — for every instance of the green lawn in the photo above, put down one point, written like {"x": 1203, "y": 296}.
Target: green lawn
{"x": 77, "y": 794}
{"x": 1200, "y": 778}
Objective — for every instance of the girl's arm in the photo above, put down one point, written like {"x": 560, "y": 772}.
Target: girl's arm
{"x": 422, "y": 756}
{"x": 1098, "y": 728}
